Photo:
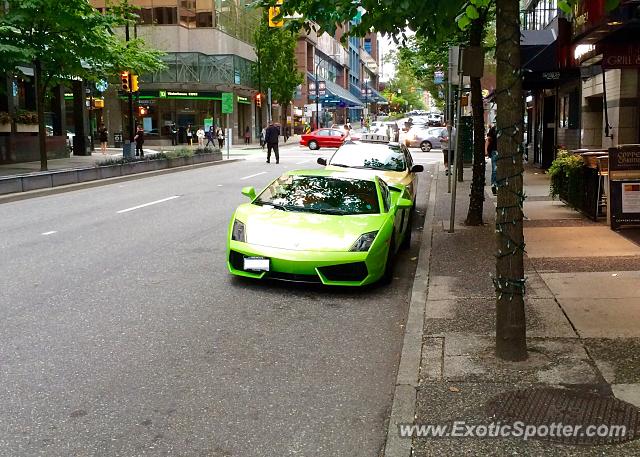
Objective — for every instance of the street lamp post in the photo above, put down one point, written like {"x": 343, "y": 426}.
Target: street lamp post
{"x": 318, "y": 89}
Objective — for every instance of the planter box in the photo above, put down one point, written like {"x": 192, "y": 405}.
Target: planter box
{"x": 62, "y": 178}
{"x": 88, "y": 174}
{"x": 10, "y": 185}
{"x": 33, "y": 182}
{"x": 179, "y": 162}
{"x": 27, "y": 128}
{"x": 110, "y": 171}
{"x": 5, "y": 128}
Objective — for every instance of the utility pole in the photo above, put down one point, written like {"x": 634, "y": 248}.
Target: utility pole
{"x": 127, "y": 150}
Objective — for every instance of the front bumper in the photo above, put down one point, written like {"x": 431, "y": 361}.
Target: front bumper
{"x": 329, "y": 268}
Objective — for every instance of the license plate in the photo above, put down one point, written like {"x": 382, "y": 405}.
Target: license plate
{"x": 256, "y": 263}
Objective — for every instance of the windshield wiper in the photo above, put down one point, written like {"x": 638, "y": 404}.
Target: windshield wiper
{"x": 274, "y": 205}
{"x": 339, "y": 165}
{"x": 336, "y": 212}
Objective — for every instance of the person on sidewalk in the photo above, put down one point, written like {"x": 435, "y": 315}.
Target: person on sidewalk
{"x": 448, "y": 143}
{"x": 220, "y": 135}
{"x": 104, "y": 137}
{"x": 211, "y": 135}
{"x": 174, "y": 134}
{"x": 189, "y": 135}
{"x": 139, "y": 139}
{"x": 200, "y": 136}
{"x": 263, "y": 135}
{"x": 271, "y": 138}
{"x": 247, "y": 135}
{"x": 491, "y": 151}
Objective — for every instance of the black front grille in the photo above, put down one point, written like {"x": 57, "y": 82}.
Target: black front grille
{"x": 346, "y": 272}
{"x": 236, "y": 260}
{"x": 294, "y": 277}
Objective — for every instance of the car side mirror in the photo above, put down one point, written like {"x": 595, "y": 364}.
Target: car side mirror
{"x": 404, "y": 203}
{"x": 321, "y": 161}
{"x": 249, "y": 192}
{"x": 417, "y": 169}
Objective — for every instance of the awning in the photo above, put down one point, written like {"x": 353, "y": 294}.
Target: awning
{"x": 539, "y": 59}
{"x": 373, "y": 97}
{"x": 336, "y": 95}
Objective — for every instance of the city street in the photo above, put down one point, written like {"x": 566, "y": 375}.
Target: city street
{"x": 124, "y": 334}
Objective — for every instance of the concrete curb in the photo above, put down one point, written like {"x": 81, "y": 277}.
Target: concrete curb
{"x": 404, "y": 398}
{"x": 103, "y": 182}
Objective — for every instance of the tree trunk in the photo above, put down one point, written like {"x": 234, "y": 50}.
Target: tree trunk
{"x": 510, "y": 317}
{"x": 476, "y": 200}
{"x": 42, "y": 132}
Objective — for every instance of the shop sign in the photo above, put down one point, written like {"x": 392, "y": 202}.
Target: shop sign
{"x": 621, "y": 56}
{"x": 624, "y": 183}
{"x": 624, "y": 159}
{"x": 551, "y": 75}
{"x": 227, "y": 102}
{"x": 175, "y": 95}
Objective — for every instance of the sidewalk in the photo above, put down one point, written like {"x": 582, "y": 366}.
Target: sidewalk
{"x": 583, "y": 329}
{"x": 76, "y": 162}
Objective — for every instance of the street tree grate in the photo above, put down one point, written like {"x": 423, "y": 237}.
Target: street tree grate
{"x": 547, "y": 406}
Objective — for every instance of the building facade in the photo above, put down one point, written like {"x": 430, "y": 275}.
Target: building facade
{"x": 581, "y": 77}
{"x": 209, "y": 51}
{"x": 347, "y": 76}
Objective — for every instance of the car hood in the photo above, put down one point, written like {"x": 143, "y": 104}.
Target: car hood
{"x": 302, "y": 231}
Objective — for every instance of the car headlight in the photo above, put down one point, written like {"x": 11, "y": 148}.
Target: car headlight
{"x": 238, "y": 233}
{"x": 363, "y": 243}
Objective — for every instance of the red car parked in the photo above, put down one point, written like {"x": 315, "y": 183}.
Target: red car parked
{"x": 323, "y": 138}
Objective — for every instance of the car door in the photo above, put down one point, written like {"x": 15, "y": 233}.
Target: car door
{"x": 322, "y": 137}
{"x": 335, "y": 138}
{"x": 412, "y": 177}
{"x": 394, "y": 216}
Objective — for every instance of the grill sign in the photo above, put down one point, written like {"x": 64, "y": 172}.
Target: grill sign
{"x": 621, "y": 56}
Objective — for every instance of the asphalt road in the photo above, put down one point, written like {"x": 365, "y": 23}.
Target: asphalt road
{"x": 121, "y": 332}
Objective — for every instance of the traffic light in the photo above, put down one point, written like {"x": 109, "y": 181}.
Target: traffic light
{"x": 124, "y": 81}
{"x": 273, "y": 12}
{"x": 134, "y": 83}
{"x": 142, "y": 111}
{"x": 259, "y": 100}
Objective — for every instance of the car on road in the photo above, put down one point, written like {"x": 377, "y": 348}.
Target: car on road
{"x": 425, "y": 138}
{"x": 319, "y": 226}
{"x": 323, "y": 138}
{"x": 390, "y": 161}
{"x": 435, "y": 119}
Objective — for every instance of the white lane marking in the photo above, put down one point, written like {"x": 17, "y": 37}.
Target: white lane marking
{"x": 252, "y": 176}
{"x": 148, "y": 204}
{"x": 50, "y": 233}
{"x": 304, "y": 161}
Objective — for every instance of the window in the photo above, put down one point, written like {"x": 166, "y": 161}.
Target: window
{"x": 386, "y": 197}
{"x": 165, "y": 15}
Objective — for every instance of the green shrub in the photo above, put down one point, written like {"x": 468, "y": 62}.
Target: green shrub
{"x": 178, "y": 153}
{"x": 565, "y": 174}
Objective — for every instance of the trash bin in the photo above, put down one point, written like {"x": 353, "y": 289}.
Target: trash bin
{"x": 466, "y": 139}
{"x": 117, "y": 139}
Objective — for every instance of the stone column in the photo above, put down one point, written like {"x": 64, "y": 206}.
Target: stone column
{"x": 81, "y": 145}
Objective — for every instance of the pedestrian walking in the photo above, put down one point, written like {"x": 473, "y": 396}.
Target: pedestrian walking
{"x": 104, "y": 137}
{"x": 211, "y": 133}
{"x": 174, "y": 134}
{"x": 271, "y": 138}
{"x": 220, "y": 135}
{"x": 139, "y": 139}
{"x": 189, "y": 135}
{"x": 200, "y": 136}
{"x": 491, "y": 151}
{"x": 247, "y": 135}
{"x": 448, "y": 144}
{"x": 263, "y": 134}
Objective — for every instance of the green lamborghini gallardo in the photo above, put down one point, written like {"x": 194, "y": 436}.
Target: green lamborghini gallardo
{"x": 325, "y": 226}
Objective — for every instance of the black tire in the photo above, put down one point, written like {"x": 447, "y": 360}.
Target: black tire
{"x": 313, "y": 145}
{"x": 387, "y": 277}
{"x": 425, "y": 146}
{"x": 406, "y": 241}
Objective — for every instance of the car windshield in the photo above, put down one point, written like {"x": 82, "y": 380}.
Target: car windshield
{"x": 321, "y": 194}
{"x": 367, "y": 155}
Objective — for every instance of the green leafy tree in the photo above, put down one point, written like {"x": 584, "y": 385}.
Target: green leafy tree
{"x": 404, "y": 83}
{"x": 68, "y": 40}
{"x": 276, "y": 67}
{"x": 428, "y": 19}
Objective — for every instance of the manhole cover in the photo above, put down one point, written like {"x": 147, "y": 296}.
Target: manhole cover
{"x": 601, "y": 420}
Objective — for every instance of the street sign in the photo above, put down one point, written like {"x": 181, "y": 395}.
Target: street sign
{"x": 102, "y": 85}
{"x": 227, "y": 102}
{"x": 438, "y": 77}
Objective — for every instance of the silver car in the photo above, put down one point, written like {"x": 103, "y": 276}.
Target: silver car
{"x": 426, "y": 138}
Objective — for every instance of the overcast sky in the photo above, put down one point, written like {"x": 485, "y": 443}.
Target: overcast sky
{"x": 387, "y": 70}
